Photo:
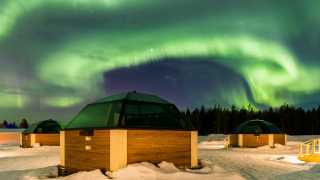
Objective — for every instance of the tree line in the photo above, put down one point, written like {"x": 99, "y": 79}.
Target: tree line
{"x": 220, "y": 120}
{"x": 12, "y": 125}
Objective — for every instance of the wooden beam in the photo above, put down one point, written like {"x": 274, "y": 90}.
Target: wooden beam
{"x": 32, "y": 139}
{"x": 194, "y": 148}
{"x": 240, "y": 140}
{"x": 300, "y": 150}
{"x": 271, "y": 140}
{"x": 313, "y": 146}
{"x": 62, "y": 148}
{"x": 118, "y": 149}
{"x": 20, "y": 139}
{"x": 307, "y": 149}
{"x": 285, "y": 139}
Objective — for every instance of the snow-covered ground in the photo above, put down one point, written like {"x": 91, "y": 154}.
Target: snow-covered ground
{"x": 27, "y": 163}
{"x": 218, "y": 163}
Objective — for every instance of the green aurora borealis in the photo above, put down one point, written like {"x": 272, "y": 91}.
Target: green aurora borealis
{"x": 53, "y": 53}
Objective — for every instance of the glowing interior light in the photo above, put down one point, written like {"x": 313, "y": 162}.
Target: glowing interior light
{"x": 87, "y": 147}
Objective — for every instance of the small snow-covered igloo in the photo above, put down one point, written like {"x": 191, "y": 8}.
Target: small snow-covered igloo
{"x": 255, "y": 133}
{"x": 127, "y": 128}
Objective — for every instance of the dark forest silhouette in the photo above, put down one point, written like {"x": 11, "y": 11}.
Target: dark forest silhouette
{"x": 23, "y": 124}
{"x": 290, "y": 119}
{"x": 221, "y": 120}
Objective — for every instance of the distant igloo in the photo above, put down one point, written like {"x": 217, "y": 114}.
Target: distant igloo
{"x": 255, "y": 133}
{"x": 44, "y": 133}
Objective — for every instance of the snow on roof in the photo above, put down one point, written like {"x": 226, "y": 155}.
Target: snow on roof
{"x": 11, "y": 130}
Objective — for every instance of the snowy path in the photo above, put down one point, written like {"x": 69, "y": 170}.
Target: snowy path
{"x": 234, "y": 164}
{"x": 260, "y": 163}
{"x": 16, "y": 162}
{"x": 250, "y": 165}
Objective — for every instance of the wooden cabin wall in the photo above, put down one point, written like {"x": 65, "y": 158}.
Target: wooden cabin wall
{"x": 159, "y": 145}
{"x": 48, "y": 139}
{"x": 113, "y": 149}
{"x": 9, "y": 137}
{"x": 26, "y": 140}
{"x": 233, "y": 140}
{"x": 251, "y": 140}
{"x": 280, "y": 139}
{"x": 76, "y": 155}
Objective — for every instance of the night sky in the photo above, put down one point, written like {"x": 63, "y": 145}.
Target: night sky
{"x": 58, "y": 55}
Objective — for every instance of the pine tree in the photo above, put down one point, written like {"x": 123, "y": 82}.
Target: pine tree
{"x": 24, "y": 124}
{"x": 5, "y": 124}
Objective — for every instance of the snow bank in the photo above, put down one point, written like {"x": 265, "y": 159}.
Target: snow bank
{"x": 291, "y": 159}
{"x": 40, "y": 163}
{"x": 148, "y": 171}
{"x": 167, "y": 171}
{"x": 31, "y": 174}
{"x": 28, "y": 163}
{"x": 86, "y": 175}
{"x": 16, "y": 158}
